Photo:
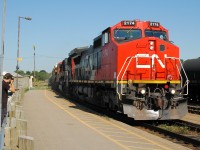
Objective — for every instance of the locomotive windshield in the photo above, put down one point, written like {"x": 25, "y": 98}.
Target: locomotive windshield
{"x": 122, "y": 35}
{"x": 153, "y": 33}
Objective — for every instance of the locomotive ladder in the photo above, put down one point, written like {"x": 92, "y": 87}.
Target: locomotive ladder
{"x": 128, "y": 61}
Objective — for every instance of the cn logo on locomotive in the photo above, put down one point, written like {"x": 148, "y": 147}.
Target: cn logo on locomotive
{"x": 153, "y": 57}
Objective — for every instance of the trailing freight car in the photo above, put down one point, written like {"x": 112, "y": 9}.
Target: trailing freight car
{"x": 192, "y": 68}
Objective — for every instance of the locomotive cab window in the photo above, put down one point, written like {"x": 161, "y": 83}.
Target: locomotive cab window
{"x": 124, "y": 35}
{"x": 154, "y": 33}
{"x": 105, "y": 38}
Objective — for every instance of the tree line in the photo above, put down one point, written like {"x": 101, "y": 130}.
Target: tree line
{"x": 41, "y": 75}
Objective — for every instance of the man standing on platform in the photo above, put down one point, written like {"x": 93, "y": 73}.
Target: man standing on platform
{"x": 7, "y": 85}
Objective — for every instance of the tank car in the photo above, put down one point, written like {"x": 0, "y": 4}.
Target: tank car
{"x": 132, "y": 67}
{"x": 192, "y": 68}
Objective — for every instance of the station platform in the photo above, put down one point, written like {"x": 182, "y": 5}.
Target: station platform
{"x": 59, "y": 124}
{"x": 193, "y": 118}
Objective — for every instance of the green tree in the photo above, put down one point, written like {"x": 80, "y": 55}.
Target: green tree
{"x": 42, "y": 75}
{"x": 20, "y": 72}
{"x": 28, "y": 73}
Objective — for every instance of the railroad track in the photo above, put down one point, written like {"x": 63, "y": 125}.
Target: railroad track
{"x": 183, "y": 139}
{"x": 191, "y": 126}
{"x": 186, "y": 139}
{"x": 194, "y": 109}
{"x": 191, "y": 141}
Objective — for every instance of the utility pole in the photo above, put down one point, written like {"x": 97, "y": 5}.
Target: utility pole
{"x": 18, "y": 47}
{"x": 17, "y": 67}
{"x": 2, "y": 54}
{"x": 34, "y": 66}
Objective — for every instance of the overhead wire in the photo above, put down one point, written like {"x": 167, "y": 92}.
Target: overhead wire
{"x": 37, "y": 55}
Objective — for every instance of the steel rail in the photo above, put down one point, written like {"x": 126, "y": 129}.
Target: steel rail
{"x": 185, "y": 139}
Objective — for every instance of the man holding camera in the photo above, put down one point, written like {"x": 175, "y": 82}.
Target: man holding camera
{"x": 7, "y": 85}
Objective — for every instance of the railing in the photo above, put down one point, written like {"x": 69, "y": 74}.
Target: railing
{"x": 187, "y": 81}
{"x": 127, "y": 63}
{"x": 2, "y": 132}
{"x": 13, "y": 134}
{"x": 128, "y": 59}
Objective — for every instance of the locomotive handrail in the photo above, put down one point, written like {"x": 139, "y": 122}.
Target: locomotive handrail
{"x": 123, "y": 66}
{"x": 187, "y": 81}
{"x": 129, "y": 59}
{"x": 127, "y": 66}
{"x": 180, "y": 74}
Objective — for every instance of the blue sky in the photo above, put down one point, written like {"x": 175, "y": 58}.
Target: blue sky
{"x": 58, "y": 26}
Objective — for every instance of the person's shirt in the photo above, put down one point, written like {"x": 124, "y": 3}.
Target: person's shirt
{"x": 5, "y": 88}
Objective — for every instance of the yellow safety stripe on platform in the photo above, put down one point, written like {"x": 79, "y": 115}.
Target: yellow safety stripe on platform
{"x": 107, "y": 122}
{"x": 129, "y": 81}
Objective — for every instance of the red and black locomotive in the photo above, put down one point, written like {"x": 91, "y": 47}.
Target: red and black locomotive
{"x": 131, "y": 67}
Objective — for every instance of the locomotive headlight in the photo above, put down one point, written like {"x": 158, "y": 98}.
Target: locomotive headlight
{"x": 151, "y": 45}
{"x": 173, "y": 91}
{"x": 143, "y": 91}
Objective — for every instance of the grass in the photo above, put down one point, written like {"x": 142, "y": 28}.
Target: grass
{"x": 175, "y": 128}
{"x": 26, "y": 90}
{"x": 40, "y": 85}
{"x": 105, "y": 117}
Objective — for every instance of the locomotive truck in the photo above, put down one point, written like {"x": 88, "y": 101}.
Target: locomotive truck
{"x": 131, "y": 67}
